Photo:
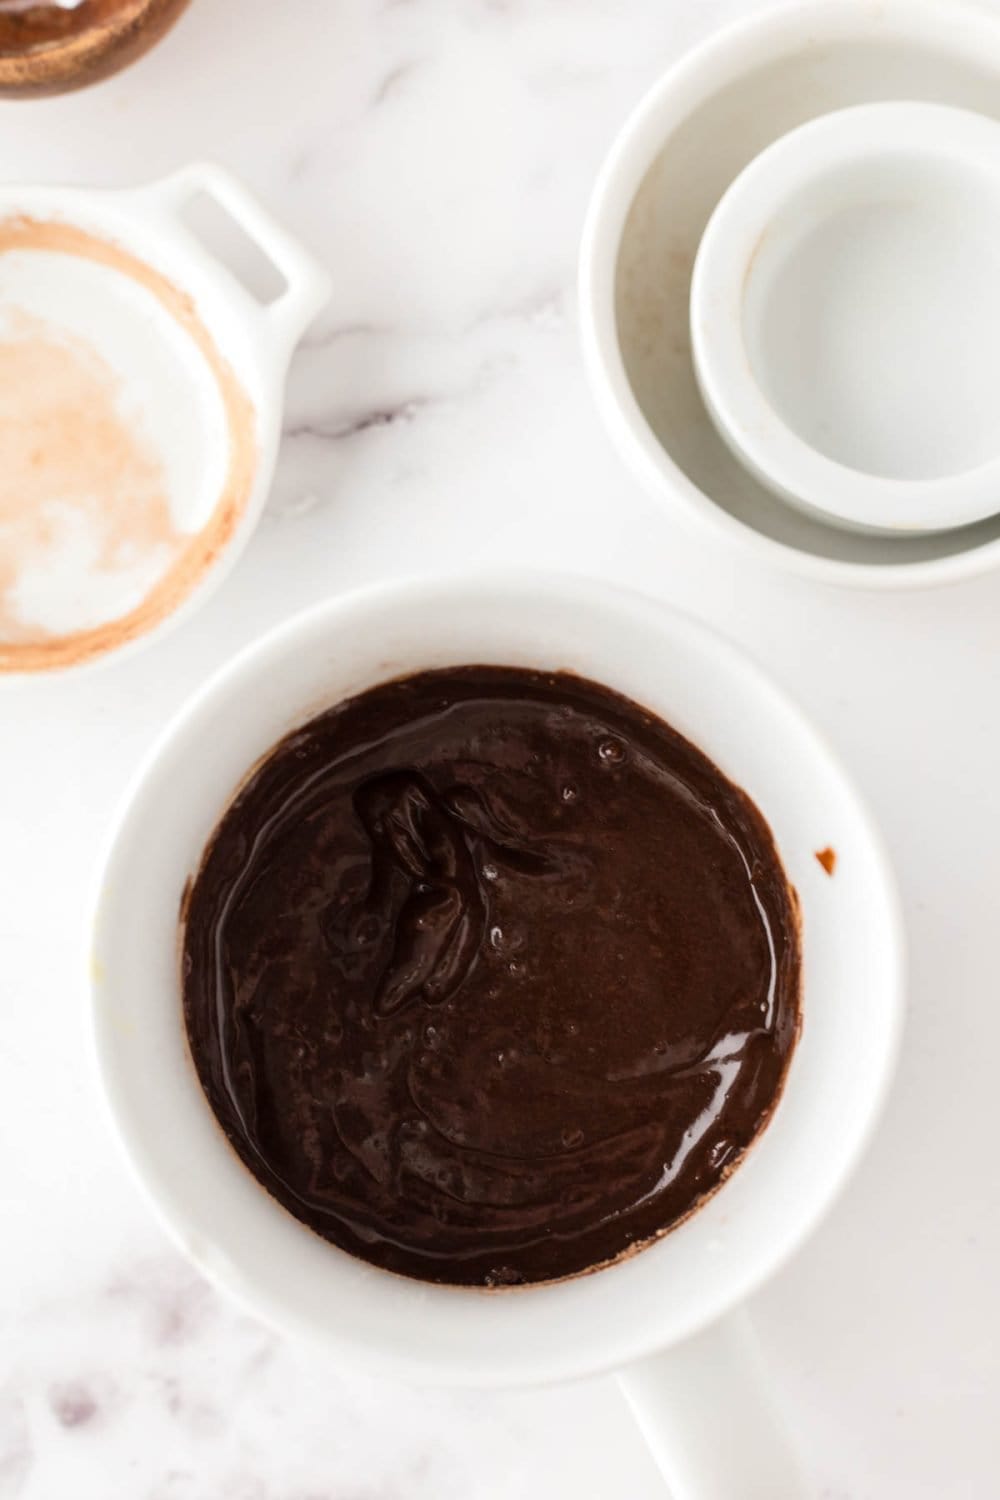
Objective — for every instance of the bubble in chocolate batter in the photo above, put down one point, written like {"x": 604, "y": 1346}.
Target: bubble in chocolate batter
{"x": 465, "y": 1027}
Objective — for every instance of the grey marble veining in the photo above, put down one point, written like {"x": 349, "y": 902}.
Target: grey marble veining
{"x": 438, "y": 154}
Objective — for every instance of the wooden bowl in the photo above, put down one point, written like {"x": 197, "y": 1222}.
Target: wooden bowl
{"x": 51, "y": 56}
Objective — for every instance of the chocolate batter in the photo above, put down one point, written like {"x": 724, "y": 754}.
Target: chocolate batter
{"x": 490, "y": 976}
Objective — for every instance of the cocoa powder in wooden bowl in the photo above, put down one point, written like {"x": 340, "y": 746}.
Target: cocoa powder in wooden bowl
{"x": 49, "y": 48}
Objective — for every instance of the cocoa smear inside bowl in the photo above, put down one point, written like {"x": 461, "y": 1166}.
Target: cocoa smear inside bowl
{"x": 127, "y": 446}
{"x": 70, "y": 462}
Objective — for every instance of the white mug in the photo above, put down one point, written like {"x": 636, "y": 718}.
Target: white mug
{"x": 656, "y": 1315}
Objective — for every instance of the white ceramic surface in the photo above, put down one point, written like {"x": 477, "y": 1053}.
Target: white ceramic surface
{"x": 166, "y": 387}
{"x": 853, "y": 960}
{"x": 845, "y": 317}
{"x": 686, "y": 142}
{"x": 438, "y": 157}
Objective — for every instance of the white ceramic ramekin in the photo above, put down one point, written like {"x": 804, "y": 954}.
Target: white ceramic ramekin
{"x": 195, "y": 368}
{"x": 845, "y": 317}
{"x": 665, "y": 1298}
{"x": 686, "y": 141}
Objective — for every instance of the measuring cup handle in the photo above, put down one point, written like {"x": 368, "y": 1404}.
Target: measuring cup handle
{"x": 307, "y": 282}
{"x": 706, "y": 1412}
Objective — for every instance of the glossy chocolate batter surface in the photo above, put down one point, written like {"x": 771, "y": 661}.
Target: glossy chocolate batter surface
{"x": 490, "y": 976}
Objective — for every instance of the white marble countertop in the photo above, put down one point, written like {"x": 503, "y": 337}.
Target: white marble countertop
{"x": 439, "y": 154}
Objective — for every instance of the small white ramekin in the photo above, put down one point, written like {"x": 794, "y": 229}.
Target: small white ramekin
{"x": 698, "y": 127}
{"x": 845, "y": 317}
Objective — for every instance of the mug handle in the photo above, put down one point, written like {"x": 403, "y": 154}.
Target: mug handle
{"x": 705, "y": 1410}
{"x": 281, "y": 323}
